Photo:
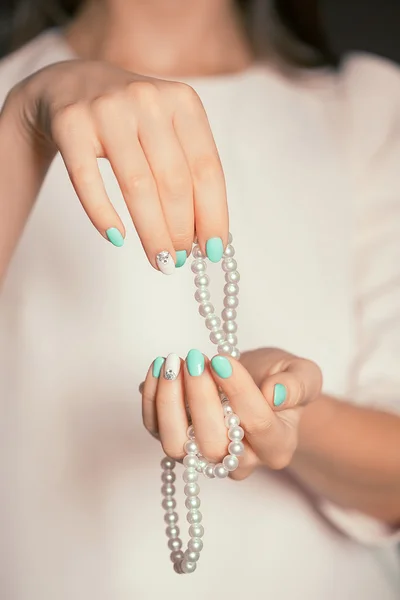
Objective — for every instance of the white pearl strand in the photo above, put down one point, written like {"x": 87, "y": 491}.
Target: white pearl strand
{"x": 226, "y": 340}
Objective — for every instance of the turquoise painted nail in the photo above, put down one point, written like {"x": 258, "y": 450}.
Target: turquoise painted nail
{"x": 222, "y": 366}
{"x": 157, "y": 366}
{"x": 214, "y": 249}
{"x": 195, "y": 363}
{"x": 181, "y": 256}
{"x": 279, "y": 394}
{"x": 115, "y": 237}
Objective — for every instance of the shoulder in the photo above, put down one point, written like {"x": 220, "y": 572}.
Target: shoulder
{"x": 369, "y": 88}
{"x": 46, "y": 49}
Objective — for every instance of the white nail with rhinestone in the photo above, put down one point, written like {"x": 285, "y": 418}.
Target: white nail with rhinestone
{"x": 172, "y": 366}
{"x": 165, "y": 262}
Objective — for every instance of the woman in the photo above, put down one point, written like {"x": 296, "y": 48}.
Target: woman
{"x": 309, "y": 160}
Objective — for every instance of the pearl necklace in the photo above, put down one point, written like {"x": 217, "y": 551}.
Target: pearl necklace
{"x": 194, "y": 463}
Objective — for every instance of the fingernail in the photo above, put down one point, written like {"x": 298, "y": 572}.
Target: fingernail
{"x": 214, "y": 249}
{"x": 222, "y": 366}
{"x": 195, "y": 363}
{"x": 115, "y": 237}
{"x": 165, "y": 262}
{"x": 172, "y": 367}
{"x": 157, "y": 365}
{"x": 181, "y": 256}
{"x": 279, "y": 394}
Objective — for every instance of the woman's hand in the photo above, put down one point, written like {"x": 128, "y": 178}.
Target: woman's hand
{"x": 158, "y": 140}
{"x": 267, "y": 390}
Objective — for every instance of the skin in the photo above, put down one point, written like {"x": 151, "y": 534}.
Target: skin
{"x": 156, "y": 135}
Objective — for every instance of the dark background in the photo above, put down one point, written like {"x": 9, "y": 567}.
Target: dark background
{"x": 363, "y": 25}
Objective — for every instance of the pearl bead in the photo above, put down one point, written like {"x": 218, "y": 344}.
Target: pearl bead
{"x": 218, "y": 336}
{"x": 227, "y": 409}
{"x": 190, "y": 476}
{"x": 202, "y": 463}
{"x": 188, "y": 567}
{"x": 230, "y": 238}
{"x": 172, "y": 532}
{"x": 169, "y": 503}
{"x": 192, "y": 502}
{"x": 232, "y": 420}
{"x": 168, "y": 477}
{"x": 196, "y": 531}
{"x": 178, "y": 568}
{"x": 194, "y": 516}
{"x": 168, "y": 489}
{"x": 229, "y": 314}
{"x": 201, "y": 280}
{"x": 171, "y": 518}
{"x": 235, "y": 434}
{"x": 220, "y": 471}
{"x": 225, "y": 348}
{"x": 192, "y": 555}
{"x": 202, "y": 294}
{"x": 195, "y": 545}
{"x": 192, "y": 489}
{"x": 209, "y": 471}
{"x": 190, "y": 432}
{"x": 229, "y": 264}
{"x": 230, "y": 462}
{"x": 206, "y": 308}
{"x": 176, "y": 556}
{"x": 190, "y": 461}
{"x": 231, "y": 301}
{"x": 235, "y": 353}
{"x": 236, "y": 448}
{"x": 190, "y": 447}
{"x": 232, "y": 339}
{"x": 229, "y": 251}
{"x": 230, "y": 327}
{"x": 231, "y": 289}
{"x": 175, "y": 544}
{"x": 197, "y": 253}
{"x": 232, "y": 277}
{"x": 198, "y": 266}
{"x": 212, "y": 322}
{"x": 167, "y": 463}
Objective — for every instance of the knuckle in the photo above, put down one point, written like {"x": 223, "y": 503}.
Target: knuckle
{"x": 136, "y": 183}
{"x": 81, "y": 177}
{"x": 212, "y": 450}
{"x": 206, "y": 168}
{"x": 259, "y": 426}
{"x": 182, "y": 239}
{"x": 187, "y": 95}
{"x": 66, "y": 118}
{"x": 105, "y": 105}
{"x": 175, "y": 185}
{"x": 144, "y": 92}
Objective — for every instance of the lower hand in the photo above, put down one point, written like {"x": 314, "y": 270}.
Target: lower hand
{"x": 267, "y": 389}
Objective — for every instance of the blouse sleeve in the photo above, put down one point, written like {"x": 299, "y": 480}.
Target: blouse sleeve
{"x": 371, "y": 92}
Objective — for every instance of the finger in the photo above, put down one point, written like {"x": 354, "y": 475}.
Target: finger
{"x": 74, "y": 134}
{"x": 205, "y": 407}
{"x": 118, "y": 134}
{"x": 248, "y": 462}
{"x": 210, "y": 203}
{"x": 171, "y": 410}
{"x": 170, "y": 171}
{"x": 299, "y": 384}
{"x": 272, "y": 439}
{"x": 149, "y": 392}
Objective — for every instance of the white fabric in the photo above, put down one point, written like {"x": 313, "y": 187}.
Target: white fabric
{"x": 314, "y": 196}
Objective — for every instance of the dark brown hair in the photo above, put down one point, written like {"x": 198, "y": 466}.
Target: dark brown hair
{"x": 288, "y": 29}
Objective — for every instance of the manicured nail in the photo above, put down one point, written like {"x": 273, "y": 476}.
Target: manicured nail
{"x": 181, "y": 256}
{"x": 222, "y": 366}
{"x": 115, "y": 237}
{"x": 165, "y": 262}
{"x": 279, "y": 394}
{"x": 157, "y": 365}
{"x": 214, "y": 249}
{"x": 172, "y": 367}
{"x": 195, "y": 363}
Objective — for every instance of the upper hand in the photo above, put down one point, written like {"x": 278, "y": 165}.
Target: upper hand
{"x": 157, "y": 138}
{"x": 267, "y": 390}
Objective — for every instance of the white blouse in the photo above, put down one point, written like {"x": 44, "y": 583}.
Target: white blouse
{"x": 312, "y": 169}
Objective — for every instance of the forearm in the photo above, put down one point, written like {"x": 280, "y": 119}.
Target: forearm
{"x": 351, "y": 455}
{"x": 23, "y": 166}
